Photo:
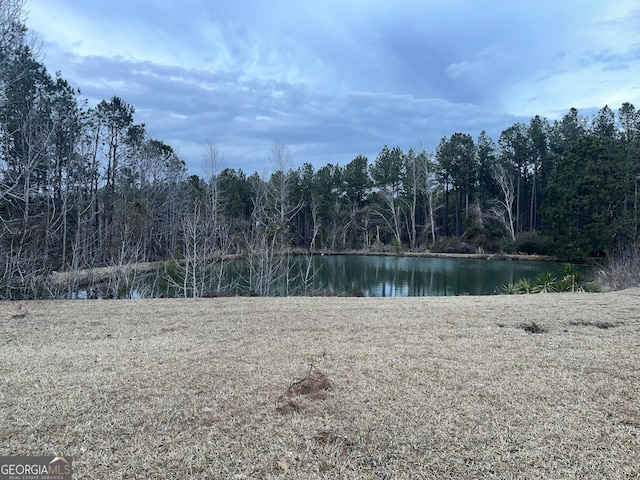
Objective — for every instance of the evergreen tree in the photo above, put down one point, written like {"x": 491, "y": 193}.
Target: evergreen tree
{"x": 586, "y": 196}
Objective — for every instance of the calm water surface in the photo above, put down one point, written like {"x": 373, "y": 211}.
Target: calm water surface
{"x": 379, "y": 276}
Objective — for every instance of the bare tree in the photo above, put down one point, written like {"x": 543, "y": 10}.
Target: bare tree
{"x": 413, "y": 180}
{"x": 268, "y": 239}
{"x": 261, "y": 241}
{"x": 27, "y": 221}
{"x": 194, "y": 253}
{"x": 389, "y": 174}
{"x": 280, "y": 207}
{"x": 429, "y": 189}
{"x": 316, "y": 222}
{"x": 502, "y": 209}
{"x": 219, "y": 231}
{"x": 13, "y": 36}
{"x": 392, "y": 212}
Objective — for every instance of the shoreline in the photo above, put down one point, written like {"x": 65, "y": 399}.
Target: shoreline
{"x": 86, "y": 276}
{"x": 478, "y": 256}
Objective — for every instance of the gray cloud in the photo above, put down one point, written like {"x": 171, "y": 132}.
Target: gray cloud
{"x": 334, "y": 79}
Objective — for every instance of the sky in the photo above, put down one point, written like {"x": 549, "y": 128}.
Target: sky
{"x": 334, "y": 79}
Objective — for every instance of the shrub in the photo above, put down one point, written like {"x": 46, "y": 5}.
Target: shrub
{"x": 571, "y": 281}
{"x": 452, "y": 245}
{"x": 546, "y": 282}
{"x": 397, "y": 246}
{"x": 532, "y": 244}
{"x": 525, "y": 286}
{"x": 482, "y": 231}
{"x": 379, "y": 247}
{"x": 621, "y": 271}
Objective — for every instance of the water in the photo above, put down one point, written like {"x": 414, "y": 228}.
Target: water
{"x": 367, "y": 275}
{"x": 380, "y": 276}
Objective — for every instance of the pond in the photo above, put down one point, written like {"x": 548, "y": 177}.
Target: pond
{"x": 382, "y": 276}
{"x": 365, "y": 275}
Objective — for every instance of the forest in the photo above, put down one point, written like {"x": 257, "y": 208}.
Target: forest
{"x": 86, "y": 187}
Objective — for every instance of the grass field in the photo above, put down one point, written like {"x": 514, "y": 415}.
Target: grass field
{"x": 403, "y": 388}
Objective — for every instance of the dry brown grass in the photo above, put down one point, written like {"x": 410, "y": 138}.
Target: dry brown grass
{"x": 415, "y": 388}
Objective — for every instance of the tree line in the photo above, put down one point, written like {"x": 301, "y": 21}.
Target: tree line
{"x": 82, "y": 188}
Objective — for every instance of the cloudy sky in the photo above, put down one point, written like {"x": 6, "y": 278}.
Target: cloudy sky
{"x": 333, "y": 79}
